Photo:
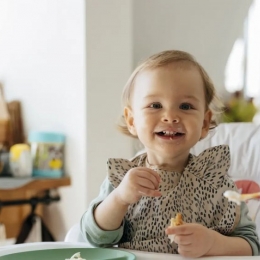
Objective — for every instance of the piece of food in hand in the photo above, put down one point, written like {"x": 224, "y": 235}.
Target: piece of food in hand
{"x": 177, "y": 221}
{"x": 76, "y": 257}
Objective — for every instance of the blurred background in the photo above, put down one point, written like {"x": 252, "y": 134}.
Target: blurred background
{"x": 66, "y": 62}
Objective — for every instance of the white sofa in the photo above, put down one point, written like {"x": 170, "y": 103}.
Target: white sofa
{"x": 244, "y": 142}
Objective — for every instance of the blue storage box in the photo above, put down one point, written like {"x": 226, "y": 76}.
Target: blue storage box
{"x": 47, "y": 150}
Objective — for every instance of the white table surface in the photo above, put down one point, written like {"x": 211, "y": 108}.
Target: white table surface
{"x": 5, "y": 250}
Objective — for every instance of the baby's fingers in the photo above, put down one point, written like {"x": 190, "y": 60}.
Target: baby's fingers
{"x": 149, "y": 192}
{"x": 146, "y": 183}
{"x": 179, "y": 230}
{"x": 151, "y": 175}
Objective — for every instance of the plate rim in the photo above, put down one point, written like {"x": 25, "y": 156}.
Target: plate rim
{"x": 128, "y": 254}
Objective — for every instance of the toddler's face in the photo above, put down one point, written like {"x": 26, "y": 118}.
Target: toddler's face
{"x": 168, "y": 110}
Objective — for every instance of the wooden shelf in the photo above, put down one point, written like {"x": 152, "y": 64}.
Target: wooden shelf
{"x": 13, "y": 216}
{"x": 37, "y": 184}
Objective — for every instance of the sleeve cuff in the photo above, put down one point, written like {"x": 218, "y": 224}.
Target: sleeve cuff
{"x": 97, "y": 236}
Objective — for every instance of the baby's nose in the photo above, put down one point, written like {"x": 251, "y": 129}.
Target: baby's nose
{"x": 171, "y": 117}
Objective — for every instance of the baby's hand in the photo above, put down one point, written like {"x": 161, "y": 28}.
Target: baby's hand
{"x": 138, "y": 182}
{"x": 193, "y": 240}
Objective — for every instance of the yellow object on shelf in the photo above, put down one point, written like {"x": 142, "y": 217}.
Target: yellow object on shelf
{"x": 21, "y": 160}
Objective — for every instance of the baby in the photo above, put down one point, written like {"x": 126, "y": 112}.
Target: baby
{"x": 170, "y": 104}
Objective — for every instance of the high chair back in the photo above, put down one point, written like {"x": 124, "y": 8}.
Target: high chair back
{"x": 244, "y": 143}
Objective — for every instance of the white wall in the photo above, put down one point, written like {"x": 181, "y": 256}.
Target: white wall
{"x": 109, "y": 64}
{"x": 205, "y": 28}
{"x": 42, "y": 64}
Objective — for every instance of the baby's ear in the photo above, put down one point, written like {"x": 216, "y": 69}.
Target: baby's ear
{"x": 129, "y": 119}
{"x": 206, "y": 124}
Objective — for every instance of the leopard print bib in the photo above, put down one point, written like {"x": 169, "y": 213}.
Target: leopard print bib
{"x": 197, "y": 193}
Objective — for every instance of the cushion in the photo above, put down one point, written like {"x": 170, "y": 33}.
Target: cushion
{"x": 247, "y": 187}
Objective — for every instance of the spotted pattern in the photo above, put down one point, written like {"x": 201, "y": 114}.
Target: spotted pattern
{"x": 196, "y": 193}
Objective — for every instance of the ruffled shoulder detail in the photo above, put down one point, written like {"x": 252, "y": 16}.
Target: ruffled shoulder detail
{"x": 212, "y": 164}
{"x": 117, "y": 168}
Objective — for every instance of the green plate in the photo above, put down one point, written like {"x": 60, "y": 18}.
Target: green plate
{"x": 67, "y": 253}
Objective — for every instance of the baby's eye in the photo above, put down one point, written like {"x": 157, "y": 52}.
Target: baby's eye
{"x": 156, "y": 105}
{"x": 186, "y": 106}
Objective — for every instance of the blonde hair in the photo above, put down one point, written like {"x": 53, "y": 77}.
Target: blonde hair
{"x": 160, "y": 60}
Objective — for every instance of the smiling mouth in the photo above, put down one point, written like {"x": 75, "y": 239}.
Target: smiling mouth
{"x": 169, "y": 133}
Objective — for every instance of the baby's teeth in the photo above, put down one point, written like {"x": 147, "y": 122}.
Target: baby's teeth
{"x": 169, "y": 132}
